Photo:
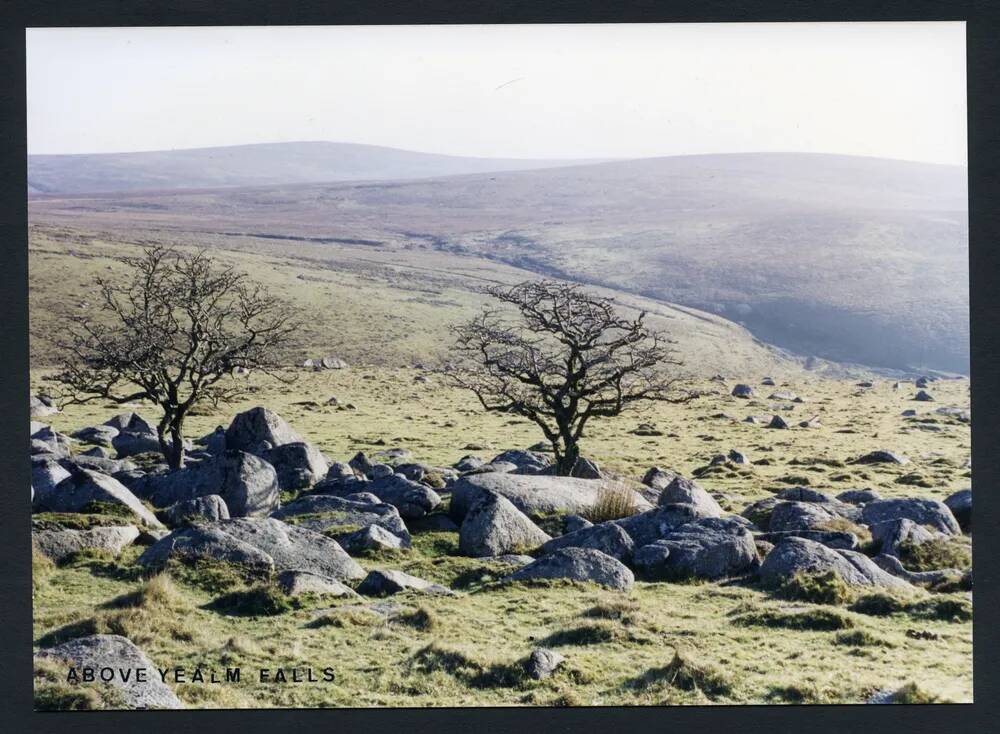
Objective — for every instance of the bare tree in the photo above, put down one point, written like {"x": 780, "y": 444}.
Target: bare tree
{"x": 173, "y": 331}
{"x": 561, "y": 356}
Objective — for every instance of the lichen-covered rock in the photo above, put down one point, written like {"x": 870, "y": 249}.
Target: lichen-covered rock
{"x": 654, "y": 524}
{"x": 800, "y": 556}
{"x": 606, "y": 537}
{"x": 247, "y": 483}
{"x": 542, "y": 663}
{"x": 960, "y": 504}
{"x": 210, "y": 507}
{"x": 259, "y": 429}
{"x": 533, "y": 494}
{"x": 340, "y": 515}
{"x": 710, "y": 548}
{"x": 686, "y": 492}
{"x": 298, "y": 465}
{"x": 921, "y": 511}
{"x": 372, "y": 538}
{"x": 296, "y": 583}
{"x": 578, "y": 564}
{"x": 58, "y": 545}
{"x": 84, "y": 487}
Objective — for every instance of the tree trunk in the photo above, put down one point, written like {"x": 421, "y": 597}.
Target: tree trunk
{"x": 172, "y": 445}
{"x": 566, "y": 459}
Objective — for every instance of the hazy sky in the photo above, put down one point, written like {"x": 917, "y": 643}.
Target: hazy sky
{"x": 894, "y": 90}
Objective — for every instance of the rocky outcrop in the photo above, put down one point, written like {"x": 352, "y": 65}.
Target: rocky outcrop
{"x": 578, "y": 564}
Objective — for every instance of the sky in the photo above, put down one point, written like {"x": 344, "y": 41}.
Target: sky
{"x": 891, "y": 90}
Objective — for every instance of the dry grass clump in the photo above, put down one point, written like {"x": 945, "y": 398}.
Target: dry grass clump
{"x": 686, "y": 674}
{"x": 822, "y": 620}
{"x": 53, "y": 693}
{"x": 262, "y": 600}
{"x": 911, "y": 693}
{"x": 825, "y": 588}
{"x": 158, "y": 593}
{"x": 615, "y": 500}
{"x": 473, "y": 673}
{"x": 421, "y": 618}
{"x": 585, "y": 634}
{"x": 843, "y": 525}
{"x": 625, "y": 611}
{"x": 861, "y": 638}
{"x": 937, "y": 553}
{"x": 41, "y": 568}
{"x": 346, "y": 617}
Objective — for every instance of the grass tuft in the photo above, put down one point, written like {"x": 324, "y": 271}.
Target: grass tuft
{"x": 263, "y": 600}
{"x": 615, "y": 500}
{"x": 685, "y": 674}
{"x": 823, "y": 620}
{"x": 825, "y": 588}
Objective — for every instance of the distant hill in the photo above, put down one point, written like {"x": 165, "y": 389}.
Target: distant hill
{"x": 266, "y": 164}
{"x": 852, "y": 259}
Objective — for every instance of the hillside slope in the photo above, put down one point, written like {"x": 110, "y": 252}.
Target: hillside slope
{"x": 266, "y": 164}
{"x": 850, "y": 259}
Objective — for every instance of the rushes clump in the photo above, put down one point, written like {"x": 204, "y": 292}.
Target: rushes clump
{"x": 615, "y": 500}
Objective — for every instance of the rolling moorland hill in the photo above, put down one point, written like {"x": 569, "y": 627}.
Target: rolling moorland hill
{"x": 850, "y": 259}
{"x": 252, "y": 165}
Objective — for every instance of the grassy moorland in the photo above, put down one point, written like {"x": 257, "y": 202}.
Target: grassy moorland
{"x": 662, "y": 643}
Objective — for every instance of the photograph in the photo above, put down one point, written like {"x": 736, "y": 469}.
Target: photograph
{"x": 524, "y": 365}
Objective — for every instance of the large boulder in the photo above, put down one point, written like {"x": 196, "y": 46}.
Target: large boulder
{"x": 532, "y": 495}
{"x": 578, "y": 564}
{"x": 650, "y": 526}
{"x": 209, "y": 542}
{"x": 58, "y": 545}
{"x": 742, "y": 391}
{"x": 97, "y": 463}
{"x": 800, "y": 556}
{"x": 336, "y": 516}
{"x": 759, "y": 512}
{"x": 683, "y": 491}
{"x": 211, "y": 507}
{"x": 47, "y": 439}
{"x": 298, "y": 465}
{"x": 960, "y": 504}
{"x": 606, "y": 537}
{"x": 247, "y": 483}
{"x": 494, "y": 527}
{"x": 711, "y": 548}
{"x": 259, "y": 429}
{"x": 881, "y": 456}
{"x": 921, "y": 511}
{"x": 259, "y": 544}
{"x": 84, "y": 487}
{"x": 143, "y": 688}
{"x": 859, "y": 496}
{"x": 830, "y": 538}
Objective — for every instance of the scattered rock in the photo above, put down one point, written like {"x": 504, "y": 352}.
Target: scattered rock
{"x": 777, "y": 422}
{"x": 742, "y": 391}
{"x": 385, "y": 583}
{"x": 372, "y": 538}
{"x": 542, "y": 663}
{"x": 892, "y": 534}
{"x": 650, "y": 526}
{"x": 658, "y": 478}
{"x": 585, "y": 468}
{"x": 296, "y": 583}
{"x": 882, "y": 457}
{"x": 527, "y": 462}
{"x": 923, "y": 396}
{"x": 114, "y": 652}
